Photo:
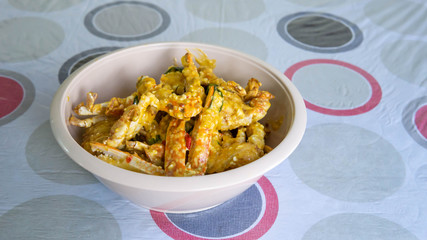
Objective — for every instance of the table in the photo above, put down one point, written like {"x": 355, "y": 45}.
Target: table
{"x": 360, "y": 171}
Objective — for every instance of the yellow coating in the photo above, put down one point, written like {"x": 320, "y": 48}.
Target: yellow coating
{"x": 191, "y": 123}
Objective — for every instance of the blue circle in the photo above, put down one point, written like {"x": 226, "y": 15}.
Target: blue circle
{"x": 230, "y": 218}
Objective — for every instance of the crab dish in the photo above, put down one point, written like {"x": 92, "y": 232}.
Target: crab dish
{"x": 191, "y": 122}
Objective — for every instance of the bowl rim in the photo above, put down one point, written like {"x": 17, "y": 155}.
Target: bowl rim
{"x": 249, "y": 172}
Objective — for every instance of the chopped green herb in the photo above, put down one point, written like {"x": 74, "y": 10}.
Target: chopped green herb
{"x": 207, "y": 91}
{"x": 219, "y": 92}
{"x": 136, "y": 100}
{"x": 174, "y": 69}
{"x": 154, "y": 140}
{"x": 222, "y": 103}
{"x": 209, "y": 86}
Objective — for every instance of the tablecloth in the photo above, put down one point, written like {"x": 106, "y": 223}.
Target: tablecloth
{"x": 360, "y": 171}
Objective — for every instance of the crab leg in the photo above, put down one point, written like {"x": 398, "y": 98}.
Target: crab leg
{"x": 203, "y": 131}
{"x": 260, "y": 105}
{"x": 188, "y": 104}
{"x": 131, "y": 122}
{"x": 124, "y": 157}
{"x": 88, "y": 122}
{"x": 245, "y": 153}
{"x": 252, "y": 89}
{"x": 206, "y": 67}
{"x": 237, "y": 113}
{"x": 192, "y": 77}
{"x": 114, "y": 107}
{"x": 175, "y": 148}
{"x": 182, "y": 106}
{"x": 239, "y": 153}
{"x": 154, "y": 152}
{"x": 256, "y": 135}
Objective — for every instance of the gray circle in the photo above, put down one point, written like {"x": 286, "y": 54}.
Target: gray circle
{"x": 236, "y": 39}
{"x": 319, "y": 32}
{"x": 129, "y": 24}
{"x": 402, "y": 16}
{"x": 49, "y": 161}
{"x": 408, "y": 116}
{"x": 329, "y": 33}
{"x": 226, "y": 10}
{"x": 421, "y": 177}
{"x": 29, "y": 93}
{"x": 59, "y": 217}
{"x": 357, "y": 226}
{"x": 28, "y": 38}
{"x": 79, "y": 59}
{"x": 413, "y": 69}
{"x": 348, "y": 163}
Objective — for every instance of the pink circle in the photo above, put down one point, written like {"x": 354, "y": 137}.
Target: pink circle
{"x": 421, "y": 120}
{"x": 11, "y": 95}
{"x": 267, "y": 220}
{"x": 369, "y": 105}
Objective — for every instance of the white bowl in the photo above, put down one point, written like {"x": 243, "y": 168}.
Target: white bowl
{"x": 115, "y": 74}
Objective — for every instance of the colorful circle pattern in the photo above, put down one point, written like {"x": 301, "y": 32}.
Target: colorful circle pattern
{"x": 17, "y": 94}
{"x": 12, "y": 95}
{"x": 414, "y": 119}
{"x": 230, "y": 220}
{"x": 346, "y": 163}
{"x": 319, "y": 32}
{"x": 345, "y": 72}
{"x": 127, "y": 21}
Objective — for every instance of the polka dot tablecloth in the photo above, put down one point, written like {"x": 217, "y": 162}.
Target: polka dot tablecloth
{"x": 360, "y": 171}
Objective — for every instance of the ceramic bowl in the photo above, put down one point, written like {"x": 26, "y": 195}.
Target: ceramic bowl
{"x": 115, "y": 74}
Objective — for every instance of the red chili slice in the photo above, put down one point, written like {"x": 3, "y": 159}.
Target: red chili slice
{"x": 188, "y": 141}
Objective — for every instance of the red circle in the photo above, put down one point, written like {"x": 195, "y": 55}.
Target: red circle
{"x": 369, "y": 105}
{"x": 421, "y": 120}
{"x": 264, "y": 224}
{"x": 11, "y": 95}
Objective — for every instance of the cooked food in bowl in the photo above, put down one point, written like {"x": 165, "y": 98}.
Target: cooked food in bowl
{"x": 191, "y": 123}
{"x": 116, "y": 74}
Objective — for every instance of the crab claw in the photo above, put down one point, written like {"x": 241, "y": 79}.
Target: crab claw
{"x": 127, "y": 158}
